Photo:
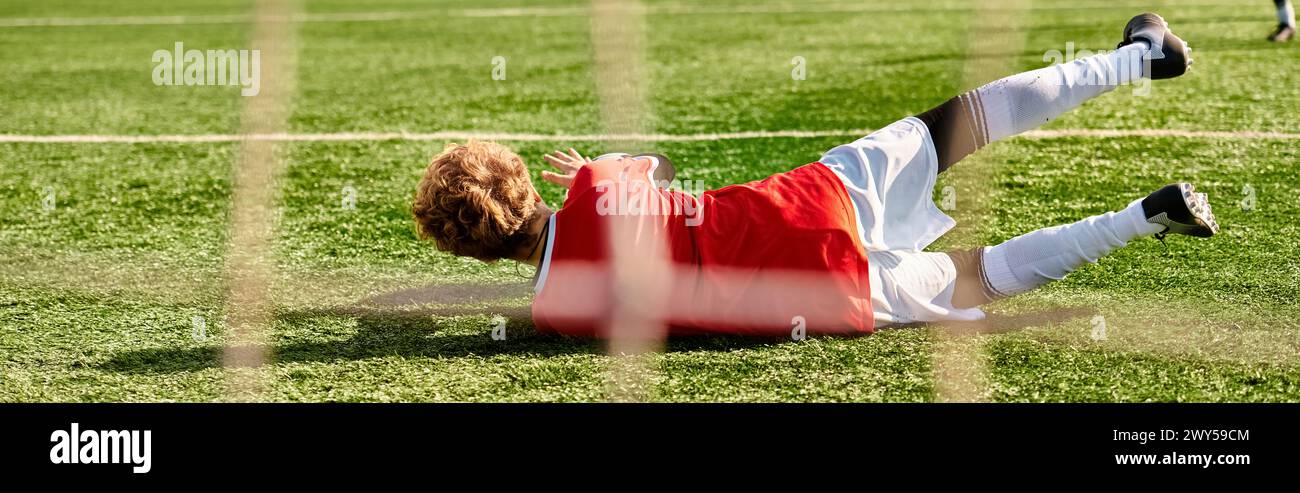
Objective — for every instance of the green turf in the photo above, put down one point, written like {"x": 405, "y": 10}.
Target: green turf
{"x": 97, "y": 295}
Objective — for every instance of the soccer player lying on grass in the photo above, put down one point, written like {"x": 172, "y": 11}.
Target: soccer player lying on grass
{"x": 837, "y": 244}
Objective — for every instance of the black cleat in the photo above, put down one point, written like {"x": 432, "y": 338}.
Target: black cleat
{"x": 1181, "y": 211}
{"x": 1169, "y": 56}
{"x": 1283, "y": 33}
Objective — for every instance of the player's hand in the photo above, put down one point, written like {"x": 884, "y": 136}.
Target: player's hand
{"x": 568, "y": 164}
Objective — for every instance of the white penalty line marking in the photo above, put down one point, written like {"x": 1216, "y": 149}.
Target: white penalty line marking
{"x": 557, "y": 11}
{"x": 173, "y": 20}
{"x": 526, "y": 137}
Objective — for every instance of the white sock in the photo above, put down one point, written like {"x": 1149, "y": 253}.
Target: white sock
{"x": 1028, "y": 100}
{"x": 1286, "y": 13}
{"x": 1039, "y": 257}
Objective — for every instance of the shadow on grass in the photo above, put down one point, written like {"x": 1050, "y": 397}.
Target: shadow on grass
{"x": 380, "y": 332}
{"x": 450, "y": 294}
{"x": 413, "y": 333}
{"x": 997, "y": 323}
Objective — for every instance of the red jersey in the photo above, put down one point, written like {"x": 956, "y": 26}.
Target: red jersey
{"x": 762, "y": 258}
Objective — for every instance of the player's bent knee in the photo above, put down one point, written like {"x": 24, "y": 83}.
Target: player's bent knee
{"x": 952, "y": 129}
{"x": 969, "y": 291}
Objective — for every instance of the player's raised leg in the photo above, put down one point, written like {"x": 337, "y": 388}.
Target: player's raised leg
{"x": 1025, "y": 101}
{"x": 1285, "y": 22}
{"x": 1031, "y": 260}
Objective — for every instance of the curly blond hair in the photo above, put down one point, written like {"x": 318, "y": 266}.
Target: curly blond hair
{"x": 475, "y": 200}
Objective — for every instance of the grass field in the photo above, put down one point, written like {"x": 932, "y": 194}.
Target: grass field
{"x": 98, "y": 292}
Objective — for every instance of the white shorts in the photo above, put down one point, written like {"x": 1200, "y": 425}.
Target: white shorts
{"x": 890, "y": 178}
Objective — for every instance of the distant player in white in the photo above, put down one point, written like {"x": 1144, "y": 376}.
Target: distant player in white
{"x": 1285, "y": 22}
{"x": 890, "y": 178}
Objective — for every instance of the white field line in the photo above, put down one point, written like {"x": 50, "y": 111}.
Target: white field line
{"x": 528, "y": 137}
{"x": 558, "y": 11}
{"x": 1191, "y": 134}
